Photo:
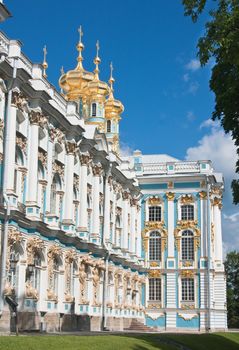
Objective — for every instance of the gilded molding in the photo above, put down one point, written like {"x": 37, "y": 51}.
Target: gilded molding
{"x": 155, "y": 200}
{"x": 170, "y": 196}
{"x": 154, "y": 273}
{"x": 187, "y": 273}
{"x": 33, "y": 245}
{"x": 187, "y": 199}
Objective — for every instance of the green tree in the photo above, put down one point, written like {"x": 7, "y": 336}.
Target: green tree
{"x": 221, "y": 43}
{"x": 232, "y": 273}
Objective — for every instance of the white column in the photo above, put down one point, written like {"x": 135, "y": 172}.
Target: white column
{"x": 10, "y": 146}
{"x": 33, "y": 161}
{"x": 83, "y": 217}
{"x": 68, "y": 208}
{"x": 132, "y": 226}
{"x": 139, "y": 240}
{"x": 107, "y": 209}
{"x": 218, "y": 229}
{"x": 170, "y": 197}
{"x": 97, "y": 169}
{"x": 125, "y": 211}
{"x": 49, "y": 174}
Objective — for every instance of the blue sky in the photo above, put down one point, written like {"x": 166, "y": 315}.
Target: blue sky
{"x": 153, "y": 48}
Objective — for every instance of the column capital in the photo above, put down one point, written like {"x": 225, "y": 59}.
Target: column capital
{"x": 85, "y": 158}
{"x": 125, "y": 195}
{"x": 203, "y": 195}
{"x": 19, "y": 100}
{"x": 70, "y": 147}
{"x": 56, "y": 134}
{"x": 170, "y": 196}
{"x": 97, "y": 169}
{"x": 37, "y": 118}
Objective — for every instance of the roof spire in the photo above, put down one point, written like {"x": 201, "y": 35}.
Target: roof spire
{"x": 111, "y": 81}
{"x": 97, "y": 61}
{"x": 80, "y": 48}
{"x": 44, "y": 63}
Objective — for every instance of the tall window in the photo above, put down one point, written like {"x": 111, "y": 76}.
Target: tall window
{"x": 33, "y": 272}
{"x": 187, "y": 245}
{"x": 93, "y": 114}
{"x": 108, "y": 125}
{"x": 187, "y": 212}
{"x": 55, "y": 276}
{"x": 187, "y": 289}
{"x": 155, "y": 289}
{"x": 56, "y": 186}
{"x": 155, "y": 213}
{"x": 155, "y": 246}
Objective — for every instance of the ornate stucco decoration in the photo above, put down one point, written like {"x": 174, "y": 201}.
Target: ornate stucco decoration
{"x": 54, "y": 252}
{"x": 21, "y": 141}
{"x": 187, "y": 199}
{"x": 203, "y": 195}
{"x": 188, "y": 306}
{"x": 58, "y": 168}
{"x": 170, "y": 196}
{"x": 170, "y": 184}
{"x": 1, "y": 128}
{"x": 85, "y": 158}
{"x": 154, "y": 306}
{"x": 82, "y": 280}
{"x": 155, "y": 200}
{"x": 36, "y": 117}
{"x": 212, "y": 234}
{"x": 187, "y": 225}
{"x": 33, "y": 245}
{"x": 125, "y": 195}
{"x": 152, "y": 226}
{"x": 42, "y": 156}
{"x": 56, "y": 135}
{"x": 154, "y": 264}
{"x": 97, "y": 169}
{"x": 31, "y": 292}
{"x": 76, "y": 181}
{"x": 187, "y": 273}
{"x": 217, "y": 201}
{"x": 70, "y": 257}
{"x": 190, "y": 316}
{"x": 19, "y": 101}
{"x": 217, "y": 191}
{"x": 154, "y": 273}
{"x": 70, "y": 147}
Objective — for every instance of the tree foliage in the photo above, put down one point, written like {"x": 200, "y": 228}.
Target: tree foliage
{"x": 221, "y": 44}
{"x": 232, "y": 273}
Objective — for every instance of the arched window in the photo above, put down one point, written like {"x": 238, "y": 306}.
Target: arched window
{"x": 187, "y": 212}
{"x": 187, "y": 245}
{"x": 93, "y": 109}
{"x": 55, "y": 275}
{"x": 33, "y": 272}
{"x": 56, "y": 186}
{"x": 155, "y": 246}
{"x": 108, "y": 125}
{"x": 155, "y": 213}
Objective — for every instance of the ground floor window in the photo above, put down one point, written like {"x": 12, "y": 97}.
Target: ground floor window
{"x": 187, "y": 289}
{"x": 155, "y": 289}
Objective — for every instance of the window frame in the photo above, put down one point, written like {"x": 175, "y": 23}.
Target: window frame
{"x": 155, "y": 244}
{"x": 155, "y": 289}
{"x": 189, "y": 214}
{"x": 155, "y": 213}
{"x": 187, "y": 246}
{"x": 188, "y": 295}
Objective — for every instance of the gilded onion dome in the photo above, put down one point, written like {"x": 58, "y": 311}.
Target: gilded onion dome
{"x": 113, "y": 107}
{"x": 74, "y": 81}
{"x": 96, "y": 90}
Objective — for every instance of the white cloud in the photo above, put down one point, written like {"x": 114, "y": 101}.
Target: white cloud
{"x": 193, "y": 87}
{"x": 190, "y": 116}
{"x": 125, "y": 150}
{"x": 193, "y": 65}
{"x": 219, "y": 147}
{"x": 186, "y": 77}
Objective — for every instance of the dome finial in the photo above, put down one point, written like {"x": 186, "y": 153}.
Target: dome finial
{"x": 97, "y": 61}
{"x": 44, "y": 63}
{"x": 111, "y": 81}
{"x": 80, "y": 48}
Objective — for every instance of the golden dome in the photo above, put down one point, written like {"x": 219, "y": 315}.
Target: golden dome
{"x": 74, "y": 81}
{"x": 113, "y": 107}
{"x": 96, "y": 89}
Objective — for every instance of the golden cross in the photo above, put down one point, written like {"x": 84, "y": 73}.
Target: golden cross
{"x": 45, "y": 53}
{"x": 97, "y": 48}
{"x": 80, "y": 33}
{"x": 111, "y": 69}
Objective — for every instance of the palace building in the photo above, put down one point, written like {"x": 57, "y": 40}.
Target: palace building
{"x": 92, "y": 240}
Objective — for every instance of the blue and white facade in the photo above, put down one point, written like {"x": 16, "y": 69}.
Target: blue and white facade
{"x": 182, "y": 242}
{"x": 91, "y": 240}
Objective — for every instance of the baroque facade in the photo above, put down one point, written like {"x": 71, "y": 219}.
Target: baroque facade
{"x": 90, "y": 239}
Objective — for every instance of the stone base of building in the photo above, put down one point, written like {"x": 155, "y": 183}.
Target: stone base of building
{"x": 56, "y": 322}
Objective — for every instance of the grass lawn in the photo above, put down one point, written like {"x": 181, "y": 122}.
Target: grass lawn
{"x": 217, "y": 341}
